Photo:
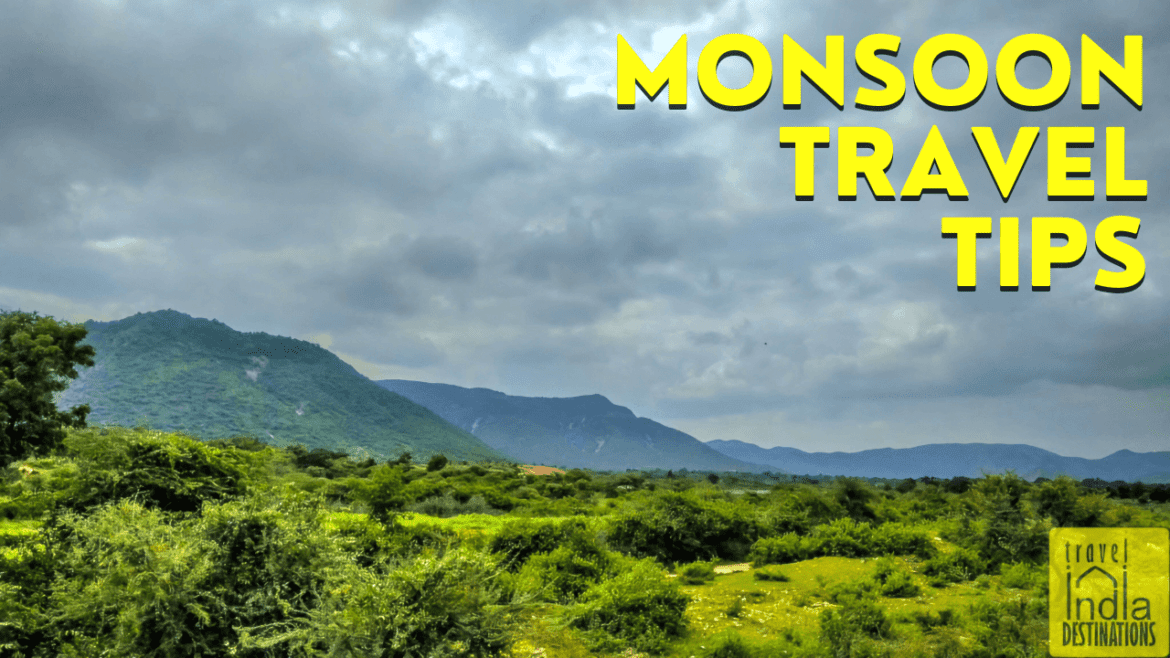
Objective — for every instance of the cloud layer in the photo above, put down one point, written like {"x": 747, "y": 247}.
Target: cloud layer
{"x": 447, "y": 192}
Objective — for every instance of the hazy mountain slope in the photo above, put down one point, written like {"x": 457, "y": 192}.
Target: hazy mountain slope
{"x": 170, "y": 371}
{"x": 955, "y": 459}
{"x": 581, "y": 432}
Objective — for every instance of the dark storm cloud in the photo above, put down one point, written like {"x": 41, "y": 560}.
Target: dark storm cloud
{"x": 443, "y": 258}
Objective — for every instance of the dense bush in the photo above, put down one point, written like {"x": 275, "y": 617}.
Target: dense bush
{"x": 1010, "y": 534}
{"x": 519, "y": 540}
{"x": 1021, "y": 575}
{"x": 169, "y": 472}
{"x": 566, "y": 572}
{"x": 440, "y": 607}
{"x": 437, "y": 463}
{"x": 843, "y": 538}
{"x": 769, "y": 574}
{"x": 957, "y": 566}
{"x": 894, "y": 580}
{"x": 696, "y": 573}
{"x": 682, "y": 527}
{"x": 639, "y": 608}
{"x": 850, "y": 630}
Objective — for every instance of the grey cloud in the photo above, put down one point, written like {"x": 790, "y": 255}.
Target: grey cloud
{"x": 268, "y": 164}
{"x": 443, "y": 258}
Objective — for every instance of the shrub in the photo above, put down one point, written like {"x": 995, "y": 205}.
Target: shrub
{"x": 565, "y": 573}
{"x": 146, "y": 585}
{"x": 639, "y": 608}
{"x": 697, "y": 573}
{"x": 1008, "y": 534}
{"x": 849, "y": 590}
{"x": 958, "y": 566}
{"x": 850, "y": 630}
{"x": 856, "y": 497}
{"x": 519, "y": 540}
{"x": 171, "y": 472}
{"x": 449, "y": 505}
{"x": 437, "y": 463}
{"x": 441, "y": 606}
{"x": 770, "y": 574}
{"x": 729, "y": 645}
{"x": 683, "y": 527}
{"x": 894, "y": 580}
{"x": 844, "y": 538}
{"x": 781, "y": 550}
{"x": 1019, "y": 575}
{"x": 736, "y": 608}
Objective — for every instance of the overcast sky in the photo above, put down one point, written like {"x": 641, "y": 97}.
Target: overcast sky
{"x": 447, "y": 192}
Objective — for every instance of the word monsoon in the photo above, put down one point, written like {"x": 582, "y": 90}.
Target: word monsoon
{"x": 1046, "y": 256}
{"x": 829, "y": 78}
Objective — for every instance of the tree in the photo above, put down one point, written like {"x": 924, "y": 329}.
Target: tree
{"x": 437, "y": 463}
{"x": 38, "y": 357}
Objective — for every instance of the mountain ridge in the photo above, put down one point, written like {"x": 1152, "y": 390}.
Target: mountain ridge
{"x": 953, "y": 460}
{"x": 587, "y": 431}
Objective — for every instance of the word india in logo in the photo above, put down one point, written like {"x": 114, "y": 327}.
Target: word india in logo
{"x": 1109, "y": 592}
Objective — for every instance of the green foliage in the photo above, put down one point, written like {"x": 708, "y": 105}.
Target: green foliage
{"x": 799, "y": 510}
{"x": 894, "y": 580}
{"x": 173, "y": 473}
{"x": 38, "y": 357}
{"x": 519, "y": 540}
{"x": 171, "y": 372}
{"x": 856, "y": 497}
{"x": 1021, "y": 575}
{"x": 845, "y": 538}
{"x": 958, "y": 566}
{"x": 736, "y": 608}
{"x": 382, "y": 491}
{"x": 850, "y": 630}
{"x": 1018, "y": 628}
{"x": 639, "y": 608}
{"x": 770, "y": 574}
{"x": 435, "y": 606}
{"x": 1009, "y": 534}
{"x": 697, "y": 573}
{"x": 1063, "y": 501}
{"x": 729, "y": 645}
{"x": 565, "y": 573}
{"x": 249, "y": 565}
{"x": 781, "y": 550}
{"x": 437, "y": 463}
{"x": 683, "y": 527}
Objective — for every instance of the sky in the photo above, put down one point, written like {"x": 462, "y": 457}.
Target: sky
{"x": 447, "y": 192}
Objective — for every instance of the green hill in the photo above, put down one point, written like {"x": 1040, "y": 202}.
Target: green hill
{"x": 169, "y": 371}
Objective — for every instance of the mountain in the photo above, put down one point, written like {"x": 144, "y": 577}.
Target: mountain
{"x": 170, "y": 371}
{"x": 581, "y": 432}
{"x": 947, "y": 460}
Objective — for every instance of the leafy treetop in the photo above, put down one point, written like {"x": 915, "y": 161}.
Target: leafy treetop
{"x": 38, "y": 355}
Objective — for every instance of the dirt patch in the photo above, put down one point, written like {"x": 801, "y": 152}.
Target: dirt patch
{"x": 539, "y": 470}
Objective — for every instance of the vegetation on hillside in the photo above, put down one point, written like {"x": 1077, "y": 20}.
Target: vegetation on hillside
{"x": 135, "y": 542}
{"x": 168, "y": 371}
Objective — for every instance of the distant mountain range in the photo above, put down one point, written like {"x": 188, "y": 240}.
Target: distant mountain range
{"x": 169, "y": 371}
{"x": 581, "y": 432}
{"x": 947, "y": 460}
